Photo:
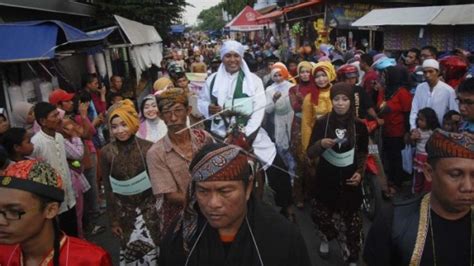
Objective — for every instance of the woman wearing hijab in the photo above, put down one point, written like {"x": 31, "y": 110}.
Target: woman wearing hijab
{"x": 152, "y": 128}
{"x": 23, "y": 116}
{"x": 130, "y": 201}
{"x": 395, "y": 107}
{"x": 317, "y": 102}
{"x": 162, "y": 84}
{"x": 297, "y": 94}
{"x": 278, "y": 104}
{"x": 340, "y": 144}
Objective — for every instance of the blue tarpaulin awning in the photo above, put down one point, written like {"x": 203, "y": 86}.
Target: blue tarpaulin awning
{"x": 177, "y": 28}
{"x": 38, "y": 40}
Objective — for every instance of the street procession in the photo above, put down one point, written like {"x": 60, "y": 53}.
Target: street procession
{"x": 236, "y": 133}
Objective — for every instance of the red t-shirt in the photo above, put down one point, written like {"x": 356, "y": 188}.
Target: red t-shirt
{"x": 399, "y": 104}
{"x": 368, "y": 82}
{"x": 74, "y": 252}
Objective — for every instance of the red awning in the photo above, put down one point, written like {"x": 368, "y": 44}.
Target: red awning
{"x": 278, "y": 13}
{"x": 301, "y": 5}
{"x": 246, "y": 20}
{"x": 272, "y": 15}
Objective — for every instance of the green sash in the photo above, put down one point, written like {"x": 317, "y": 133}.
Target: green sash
{"x": 238, "y": 94}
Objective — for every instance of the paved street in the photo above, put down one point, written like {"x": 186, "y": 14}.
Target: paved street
{"x": 110, "y": 243}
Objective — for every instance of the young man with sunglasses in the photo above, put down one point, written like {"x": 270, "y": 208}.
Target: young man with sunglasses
{"x": 30, "y": 195}
{"x": 432, "y": 93}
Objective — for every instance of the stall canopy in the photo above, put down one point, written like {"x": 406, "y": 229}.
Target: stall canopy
{"x": 145, "y": 42}
{"x": 178, "y": 28}
{"x": 38, "y": 40}
{"x": 278, "y": 13}
{"x": 272, "y": 15}
{"x": 246, "y": 20}
{"x": 432, "y": 15}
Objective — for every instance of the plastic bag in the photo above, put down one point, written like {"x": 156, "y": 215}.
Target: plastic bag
{"x": 407, "y": 159}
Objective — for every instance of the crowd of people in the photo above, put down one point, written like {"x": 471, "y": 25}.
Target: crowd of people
{"x": 213, "y": 175}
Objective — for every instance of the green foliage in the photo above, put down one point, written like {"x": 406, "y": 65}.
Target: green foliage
{"x": 158, "y": 13}
{"x": 235, "y": 6}
{"x": 211, "y": 18}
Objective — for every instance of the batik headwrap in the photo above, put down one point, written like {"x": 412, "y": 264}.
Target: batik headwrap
{"x": 126, "y": 111}
{"x": 226, "y": 163}
{"x": 171, "y": 97}
{"x": 444, "y": 144}
{"x": 36, "y": 177}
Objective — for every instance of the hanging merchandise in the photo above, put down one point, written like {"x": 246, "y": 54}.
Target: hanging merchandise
{"x": 90, "y": 64}
{"x": 100, "y": 62}
{"x": 28, "y": 89}
{"x": 16, "y": 94}
{"x": 45, "y": 88}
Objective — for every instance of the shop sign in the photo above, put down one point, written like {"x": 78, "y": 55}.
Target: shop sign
{"x": 342, "y": 14}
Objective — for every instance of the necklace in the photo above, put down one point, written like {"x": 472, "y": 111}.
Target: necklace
{"x": 432, "y": 235}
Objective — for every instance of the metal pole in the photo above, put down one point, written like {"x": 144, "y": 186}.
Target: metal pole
{"x": 371, "y": 41}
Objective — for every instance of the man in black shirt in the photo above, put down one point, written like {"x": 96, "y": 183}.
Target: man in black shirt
{"x": 435, "y": 229}
{"x": 224, "y": 224}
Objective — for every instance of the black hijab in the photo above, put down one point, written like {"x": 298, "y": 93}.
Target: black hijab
{"x": 395, "y": 78}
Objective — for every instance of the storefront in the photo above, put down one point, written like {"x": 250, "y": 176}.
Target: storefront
{"x": 38, "y": 56}
{"x": 445, "y": 27}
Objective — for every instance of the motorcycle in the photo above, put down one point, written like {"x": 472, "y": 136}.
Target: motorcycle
{"x": 375, "y": 177}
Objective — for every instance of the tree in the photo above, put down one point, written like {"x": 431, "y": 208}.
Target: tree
{"x": 235, "y": 6}
{"x": 211, "y": 18}
{"x": 159, "y": 13}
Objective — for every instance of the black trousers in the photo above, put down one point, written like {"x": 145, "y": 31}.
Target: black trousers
{"x": 279, "y": 180}
{"x": 392, "y": 159}
{"x": 68, "y": 222}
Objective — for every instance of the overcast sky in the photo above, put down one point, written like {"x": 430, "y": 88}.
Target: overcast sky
{"x": 190, "y": 16}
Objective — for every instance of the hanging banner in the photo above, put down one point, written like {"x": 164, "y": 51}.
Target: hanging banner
{"x": 342, "y": 15}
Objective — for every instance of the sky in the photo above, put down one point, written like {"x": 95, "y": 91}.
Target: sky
{"x": 191, "y": 13}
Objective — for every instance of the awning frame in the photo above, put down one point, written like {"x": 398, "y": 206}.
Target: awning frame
{"x": 433, "y": 15}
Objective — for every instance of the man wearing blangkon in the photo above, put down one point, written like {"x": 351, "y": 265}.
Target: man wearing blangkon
{"x": 224, "y": 224}
{"x": 435, "y": 229}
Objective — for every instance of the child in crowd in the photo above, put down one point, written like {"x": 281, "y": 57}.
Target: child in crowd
{"x": 426, "y": 122}
{"x": 17, "y": 143}
{"x": 114, "y": 97}
{"x": 451, "y": 121}
{"x": 74, "y": 153}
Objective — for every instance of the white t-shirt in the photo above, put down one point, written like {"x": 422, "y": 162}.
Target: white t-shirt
{"x": 51, "y": 150}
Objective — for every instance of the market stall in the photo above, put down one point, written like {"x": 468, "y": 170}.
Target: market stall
{"x": 246, "y": 23}
{"x": 144, "y": 43}
{"x": 445, "y": 27}
{"x": 32, "y": 56}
